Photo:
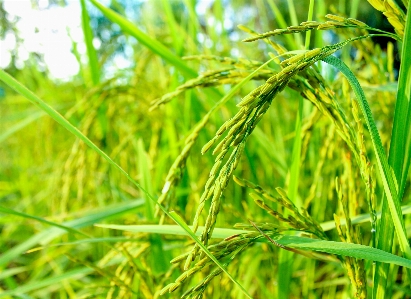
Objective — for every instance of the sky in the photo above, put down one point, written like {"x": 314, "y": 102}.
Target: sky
{"x": 45, "y": 30}
{"x": 51, "y": 31}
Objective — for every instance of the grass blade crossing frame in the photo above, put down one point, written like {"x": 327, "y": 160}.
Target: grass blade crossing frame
{"x": 149, "y": 42}
{"x": 385, "y": 170}
{"x": 339, "y": 248}
{"x": 399, "y": 155}
{"x": 18, "y": 87}
{"x": 88, "y": 37}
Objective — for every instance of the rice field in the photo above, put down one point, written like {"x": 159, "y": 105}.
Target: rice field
{"x": 252, "y": 149}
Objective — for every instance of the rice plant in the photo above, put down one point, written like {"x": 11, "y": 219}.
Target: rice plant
{"x": 262, "y": 168}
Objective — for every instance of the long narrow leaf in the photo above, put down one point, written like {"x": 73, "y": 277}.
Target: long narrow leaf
{"x": 218, "y": 233}
{"x": 345, "y": 249}
{"x": 225, "y": 232}
{"x": 146, "y": 40}
{"x": 20, "y": 125}
{"x": 339, "y": 248}
{"x": 47, "y": 235}
{"x": 24, "y": 215}
{"x": 18, "y": 87}
{"x": 50, "y": 281}
{"x": 382, "y": 161}
{"x": 88, "y": 37}
{"x": 399, "y": 156}
{"x": 400, "y": 147}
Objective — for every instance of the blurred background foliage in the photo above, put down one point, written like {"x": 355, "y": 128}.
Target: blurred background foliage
{"x": 222, "y": 17}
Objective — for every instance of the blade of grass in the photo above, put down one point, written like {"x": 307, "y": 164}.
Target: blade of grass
{"x": 152, "y": 44}
{"x": 218, "y": 233}
{"x": 51, "y": 281}
{"x": 18, "y": 87}
{"x": 146, "y": 40}
{"x": 399, "y": 156}
{"x": 332, "y": 247}
{"x": 345, "y": 249}
{"x": 285, "y": 266}
{"x": 88, "y": 241}
{"x": 177, "y": 37}
{"x": 309, "y": 18}
{"x": 400, "y": 147}
{"x": 88, "y": 37}
{"x": 145, "y": 177}
{"x": 320, "y": 12}
{"x": 272, "y": 151}
{"x": 20, "y": 125}
{"x": 281, "y": 22}
{"x": 157, "y": 256}
{"x": 285, "y": 259}
{"x": 294, "y": 22}
{"x": 385, "y": 170}
{"x": 226, "y": 232}
{"x": 24, "y": 215}
{"x": 354, "y": 8}
{"x": 193, "y": 19}
{"x": 11, "y": 272}
{"x": 329, "y": 225}
{"x": 296, "y": 157}
{"x": 47, "y": 235}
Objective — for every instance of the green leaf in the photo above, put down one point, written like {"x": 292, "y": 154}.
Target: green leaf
{"x": 46, "y": 236}
{"x": 146, "y": 40}
{"x": 88, "y": 37}
{"x": 145, "y": 176}
{"x": 339, "y": 248}
{"x": 399, "y": 155}
{"x": 345, "y": 249}
{"x": 221, "y": 233}
{"x": 329, "y": 225}
{"x": 20, "y": 125}
{"x": 24, "y": 215}
{"x": 218, "y": 233}
{"x": 50, "y": 281}
{"x": 385, "y": 170}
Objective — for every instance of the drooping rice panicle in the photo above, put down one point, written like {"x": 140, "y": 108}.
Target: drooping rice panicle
{"x": 252, "y": 109}
{"x": 393, "y": 12}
